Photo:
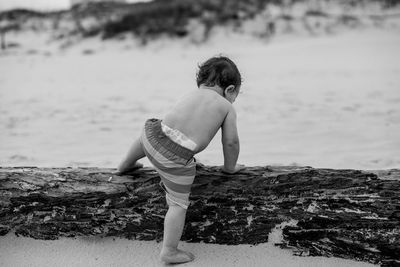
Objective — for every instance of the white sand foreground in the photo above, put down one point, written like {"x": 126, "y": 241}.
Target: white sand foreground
{"x": 22, "y": 251}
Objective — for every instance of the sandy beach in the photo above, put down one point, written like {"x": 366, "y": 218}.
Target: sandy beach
{"x": 21, "y": 251}
{"x": 324, "y": 101}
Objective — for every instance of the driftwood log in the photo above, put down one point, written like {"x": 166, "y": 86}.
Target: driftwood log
{"x": 344, "y": 213}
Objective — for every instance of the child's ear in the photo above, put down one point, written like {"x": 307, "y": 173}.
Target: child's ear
{"x": 229, "y": 89}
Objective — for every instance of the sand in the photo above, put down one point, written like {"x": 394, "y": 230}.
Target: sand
{"x": 21, "y": 251}
{"x": 323, "y": 101}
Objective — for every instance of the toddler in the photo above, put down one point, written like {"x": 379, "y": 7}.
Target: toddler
{"x": 186, "y": 130}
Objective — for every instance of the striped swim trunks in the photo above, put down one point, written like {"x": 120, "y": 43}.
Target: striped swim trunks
{"x": 173, "y": 162}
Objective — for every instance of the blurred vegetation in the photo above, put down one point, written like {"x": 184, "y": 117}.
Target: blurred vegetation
{"x": 175, "y": 18}
{"x": 171, "y": 17}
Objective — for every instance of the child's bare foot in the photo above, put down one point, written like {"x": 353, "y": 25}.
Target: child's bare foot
{"x": 176, "y": 256}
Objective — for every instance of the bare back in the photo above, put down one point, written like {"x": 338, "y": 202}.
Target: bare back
{"x": 199, "y": 115}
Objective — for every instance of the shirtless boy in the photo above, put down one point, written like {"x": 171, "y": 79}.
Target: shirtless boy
{"x": 186, "y": 130}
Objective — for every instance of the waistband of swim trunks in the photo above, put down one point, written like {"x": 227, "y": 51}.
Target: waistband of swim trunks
{"x": 154, "y": 133}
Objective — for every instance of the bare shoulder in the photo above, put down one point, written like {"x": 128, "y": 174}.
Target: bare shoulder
{"x": 212, "y": 101}
{"x": 230, "y": 113}
{"x": 225, "y": 105}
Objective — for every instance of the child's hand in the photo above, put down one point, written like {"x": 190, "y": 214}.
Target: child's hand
{"x": 238, "y": 168}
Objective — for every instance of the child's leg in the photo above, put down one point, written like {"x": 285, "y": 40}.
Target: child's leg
{"x": 173, "y": 228}
{"x": 135, "y": 153}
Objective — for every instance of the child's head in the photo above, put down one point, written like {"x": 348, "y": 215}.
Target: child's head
{"x": 219, "y": 71}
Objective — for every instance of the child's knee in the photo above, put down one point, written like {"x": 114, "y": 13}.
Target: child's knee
{"x": 172, "y": 204}
{"x": 174, "y": 201}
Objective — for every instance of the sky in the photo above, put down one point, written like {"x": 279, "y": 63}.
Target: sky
{"x": 40, "y": 4}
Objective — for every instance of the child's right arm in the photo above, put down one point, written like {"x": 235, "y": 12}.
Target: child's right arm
{"x": 230, "y": 143}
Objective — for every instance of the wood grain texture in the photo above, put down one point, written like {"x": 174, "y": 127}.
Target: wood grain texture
{"x": 345, "y": 213}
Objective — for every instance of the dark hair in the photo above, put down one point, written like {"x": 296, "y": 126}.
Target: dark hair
{"x": 219, "y": 71}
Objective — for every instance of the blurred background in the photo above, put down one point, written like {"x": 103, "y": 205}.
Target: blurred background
{"x": 321, "y": 79}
